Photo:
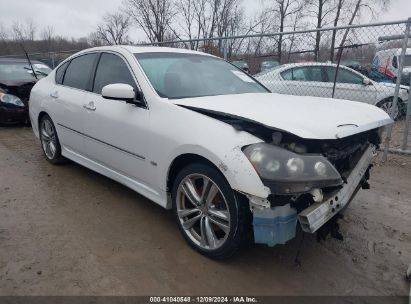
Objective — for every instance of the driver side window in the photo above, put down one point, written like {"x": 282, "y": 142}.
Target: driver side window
{"x": 112, "y": 69}
{"x": 343, "y": 76}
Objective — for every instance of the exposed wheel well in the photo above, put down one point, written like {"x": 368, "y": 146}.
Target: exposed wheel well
{"x": 182, "y": 161}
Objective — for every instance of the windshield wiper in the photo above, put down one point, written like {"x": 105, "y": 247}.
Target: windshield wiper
{"x": 36, "y": 71}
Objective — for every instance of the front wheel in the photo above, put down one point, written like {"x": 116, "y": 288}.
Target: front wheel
{"x": 213, "y": 219}
{"x": 386, "y": 105}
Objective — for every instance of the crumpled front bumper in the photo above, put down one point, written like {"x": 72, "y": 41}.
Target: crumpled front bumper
{"x": 316, "y": 215}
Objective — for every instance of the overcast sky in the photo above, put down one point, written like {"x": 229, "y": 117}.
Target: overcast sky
{"x": 77, "y": 18}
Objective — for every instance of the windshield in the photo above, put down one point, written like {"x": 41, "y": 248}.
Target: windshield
{"x": 178, "y": 75}
{"x": 22, "y": 71}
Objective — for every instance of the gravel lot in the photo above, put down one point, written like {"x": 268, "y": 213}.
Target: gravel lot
{"x": 65, "y": 230}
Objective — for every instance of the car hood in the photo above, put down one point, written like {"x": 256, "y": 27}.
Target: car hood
{"x": 304, "y": 116}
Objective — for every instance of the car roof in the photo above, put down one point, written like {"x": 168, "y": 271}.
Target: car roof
{"x": 284, "y": 67}
{"x": 145, "y": 49}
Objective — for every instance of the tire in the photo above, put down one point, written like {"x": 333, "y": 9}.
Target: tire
{"x": 221, "y": 209}
{"x": 386, "y": 106}
{"x": 49, "y": 140}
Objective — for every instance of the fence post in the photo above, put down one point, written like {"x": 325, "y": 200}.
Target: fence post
{"x": 407, "y": 119}
{"x": 53, "y": 63}
{"x": 397, "y": 87}
{"x": 225, "y": 48}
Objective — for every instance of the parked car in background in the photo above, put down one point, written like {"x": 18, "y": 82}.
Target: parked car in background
{"x": 241, "y": 64}
{"x": 197, "y": 135}
{"x": 355, "y": 65}
{"x": 385, "y": 66}
{"x": 16, "y": 81}
{"x": 268, "y": 65}
{"x": 317, "y": 79}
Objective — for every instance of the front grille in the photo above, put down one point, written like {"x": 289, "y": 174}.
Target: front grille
{"x": 24, "y": 91}
{"x": 346, "y": 160}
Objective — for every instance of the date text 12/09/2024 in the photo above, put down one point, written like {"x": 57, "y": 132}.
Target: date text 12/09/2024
{"x": 206, "y": 299}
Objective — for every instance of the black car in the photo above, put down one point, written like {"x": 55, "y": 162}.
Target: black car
{"x": 16, "y": 80}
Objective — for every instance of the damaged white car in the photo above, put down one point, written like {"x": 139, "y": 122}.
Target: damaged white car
{"x": 197, "y": 135}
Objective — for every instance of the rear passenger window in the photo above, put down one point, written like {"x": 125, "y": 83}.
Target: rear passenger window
{"x": 78, "y": 72}
{"x": 112, "y": 69}
{"x": 60, "y": 72}
{"x": 303, "y": 74}
{"x": 287, "y": 75}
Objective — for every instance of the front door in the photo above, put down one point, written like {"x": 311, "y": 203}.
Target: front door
{"x": 116, "y": 131}
{"x": 350, "y": 86}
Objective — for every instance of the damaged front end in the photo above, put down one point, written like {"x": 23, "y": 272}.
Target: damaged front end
{"x": 311, "y": 182}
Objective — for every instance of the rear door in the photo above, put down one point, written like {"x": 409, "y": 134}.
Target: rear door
{"x": 73, "y": 80}
{"x": 304, "y": 81}
{"x": 116, "y": 131}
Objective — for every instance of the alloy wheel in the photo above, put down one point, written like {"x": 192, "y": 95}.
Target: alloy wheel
{"x": 48, "y": 139}
{"x": 386, "y": 106}
{"x": 203, "y": 211}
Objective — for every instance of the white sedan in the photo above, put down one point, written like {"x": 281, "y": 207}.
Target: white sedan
{"x": 317, "y": 79}
{"x": 197, "y": 135}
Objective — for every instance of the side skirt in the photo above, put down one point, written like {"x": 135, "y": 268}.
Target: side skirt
{"x": 160, "y": 199}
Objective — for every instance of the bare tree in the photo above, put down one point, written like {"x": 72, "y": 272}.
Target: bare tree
{"x": 94, "y": 39}
{"x": 353, "y": 10}
{"x": 114, "y": 28}
{"x": 320, "y": 10}
{"x": 298, "y": 17}
{"x": 47, "y": 33}
{"x": 3, "y": 33}
{"x": 262, "y": 23}
{"x": 284, "y": 9}
{"x": 193, "y": 19}
{"x": 338, "y": 11}
{"x": 24, "y": 31}
{"x": 154, "y": 17}
{"x": 224, "y": 17}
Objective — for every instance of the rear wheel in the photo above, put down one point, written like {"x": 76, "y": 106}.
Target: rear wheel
{"x": 213, "y": 219}
{"x": 49, "y": 141}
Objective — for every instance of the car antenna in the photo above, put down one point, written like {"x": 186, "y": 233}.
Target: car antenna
{"x": 28, "y": 59}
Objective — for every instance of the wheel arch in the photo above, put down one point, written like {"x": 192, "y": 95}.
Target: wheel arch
{"x": 387, "y": 98}
{"x": 240, "y": 175}
{"x": 184, "y": 160}
{"x": 40, "y": 116}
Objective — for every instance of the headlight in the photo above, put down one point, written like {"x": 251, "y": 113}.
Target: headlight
{"x": 11, "y": 99}
{"x": 288, "y": 172}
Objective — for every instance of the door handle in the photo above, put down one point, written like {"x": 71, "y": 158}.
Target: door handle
{"x": 54, "y": 94}
{"x": 90, "y": 106}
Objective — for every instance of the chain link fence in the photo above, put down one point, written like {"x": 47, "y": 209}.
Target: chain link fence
{"x": 362, "y": 63}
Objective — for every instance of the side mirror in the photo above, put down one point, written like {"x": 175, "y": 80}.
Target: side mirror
{"x": 121, "y": 91}
{"x": 366, "y": 81}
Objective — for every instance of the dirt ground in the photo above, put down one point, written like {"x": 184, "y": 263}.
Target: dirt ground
{"x": 65, "y": 230}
